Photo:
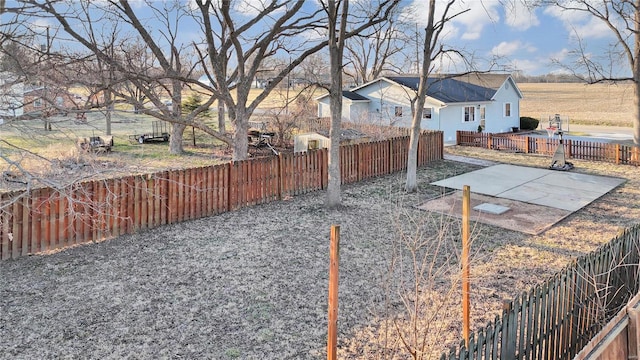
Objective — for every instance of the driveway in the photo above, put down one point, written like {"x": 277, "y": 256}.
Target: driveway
{"x": 596, "y": 133}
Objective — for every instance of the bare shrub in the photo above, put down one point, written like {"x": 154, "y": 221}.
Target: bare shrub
{"x": 420, "y": 308}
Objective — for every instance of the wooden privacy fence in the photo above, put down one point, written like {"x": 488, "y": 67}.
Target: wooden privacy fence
{"x": 46, "y": 219}
{"x": 576, "y": 149}
{"x": 556, "y": 319}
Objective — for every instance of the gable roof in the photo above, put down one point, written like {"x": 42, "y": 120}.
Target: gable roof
{"x": 354, "y": 96}
{"x": 349, "y": 95}
{"x": 448, "y": 89}
{"x": 470, "y": 87}
{"x": 487, "y": 80}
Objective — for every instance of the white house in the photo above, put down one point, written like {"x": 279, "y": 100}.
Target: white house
{"x": 11, "y": 97}
{"x": 462, "y": 102}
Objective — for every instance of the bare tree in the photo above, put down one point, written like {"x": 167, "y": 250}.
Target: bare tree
{"x": 432, "y": 48}
{"x": 368, "y": 54}
{"x": 622, "y": 18}
{"x": 337, "y": 31}
{"x": 226, "y": 38}
{"x": 284, "y": 120}
{"x": 230, "y": 52}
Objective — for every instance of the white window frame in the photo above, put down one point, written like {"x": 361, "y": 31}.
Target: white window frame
{"x": 397, "y": 111}
{"x": 469, "y": 116}
{"x": 507, "y": 110}
{"x": 427, "y": 113}
{"x": 37, "y": 103}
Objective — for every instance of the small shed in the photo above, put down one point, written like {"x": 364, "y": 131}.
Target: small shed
{"x": 310, "y": 141}
{"x": 320, "y": 139}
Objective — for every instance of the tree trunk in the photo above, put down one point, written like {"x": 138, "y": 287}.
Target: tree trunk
{"x": 175, "y": 141}
{"x": 240, "y": 141}
{"x": 411, "y": 184}
{"x": 177, "y": 130}
{"x": 334, "y": 198}
{"x": 336, "y": 51}
{"x": 222, "y": 127}
{"x": 636, "y": 106}
{"x": 109, "y": 110}
{"x": 636, "y": 77}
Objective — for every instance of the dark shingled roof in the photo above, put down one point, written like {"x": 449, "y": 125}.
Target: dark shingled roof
{"x": 448, "y": 90}
{"x": 353, "y": 96}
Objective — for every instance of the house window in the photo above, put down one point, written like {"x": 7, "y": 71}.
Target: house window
{"x": 507, "y": 109}
{"x": 469, "y": 113}
{"x": 37, "y": 103}
{"x": 59, "y": 101}
{"x": 426, "y": 113}
{"x": 398, "y": 111}
{"x": 483, "y": 112}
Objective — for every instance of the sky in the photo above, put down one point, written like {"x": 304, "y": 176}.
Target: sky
{"x": 526, "y": 40}
{"x": 523, "y": 39}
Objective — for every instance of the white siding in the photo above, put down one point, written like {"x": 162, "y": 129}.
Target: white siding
{"x": 350, "y": 110}
{"x": 384, "y": 99}
{"x": 495, "y": 120}
{"x": 11, "y": 100}
{"x": 453, "y": 120}
{"x": 323, "y": 107}
{"x": 359, "y": 111}
{"x": 385, "y": 96}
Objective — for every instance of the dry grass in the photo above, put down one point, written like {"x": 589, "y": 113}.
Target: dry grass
{"x": 598, "y": 104}
{"x": 50, "y": 154}
{"x": 39, "y": 151}
{"x": 252, "y": 284}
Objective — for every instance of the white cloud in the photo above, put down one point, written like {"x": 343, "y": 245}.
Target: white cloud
{"x": 559, "y": 56}
{"x": 251, "y": 7}
{"x": 468, "y": 25}
{"x": 527, "y": 66}
{"x": 505, "y": 48}
{"x": 40, "y": 25}
{"x": 480, "y": 15}
{"x": 508, "y": 48}
{"x": 580, "y": 23}
{"x": 519, "y": 16}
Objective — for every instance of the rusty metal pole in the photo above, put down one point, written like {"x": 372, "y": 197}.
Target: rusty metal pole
{"x": 334, "y": 257}
{"x": 466, "y": 205}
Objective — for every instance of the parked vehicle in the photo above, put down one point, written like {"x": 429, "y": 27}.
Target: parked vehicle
{"x": 158, "y": 133}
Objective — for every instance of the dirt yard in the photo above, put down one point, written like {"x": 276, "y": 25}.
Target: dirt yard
{"x": 252, "y": 284}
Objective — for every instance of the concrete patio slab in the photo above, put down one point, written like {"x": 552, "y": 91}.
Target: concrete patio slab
{"x": 536, "y": 198}
{"x": 561, "y": 190}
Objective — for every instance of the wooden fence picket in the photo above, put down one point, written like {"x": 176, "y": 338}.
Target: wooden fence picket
{"x": 576, "y": 149}
{"x": 96, "y": 210}
{"x": 556, "y": 319}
